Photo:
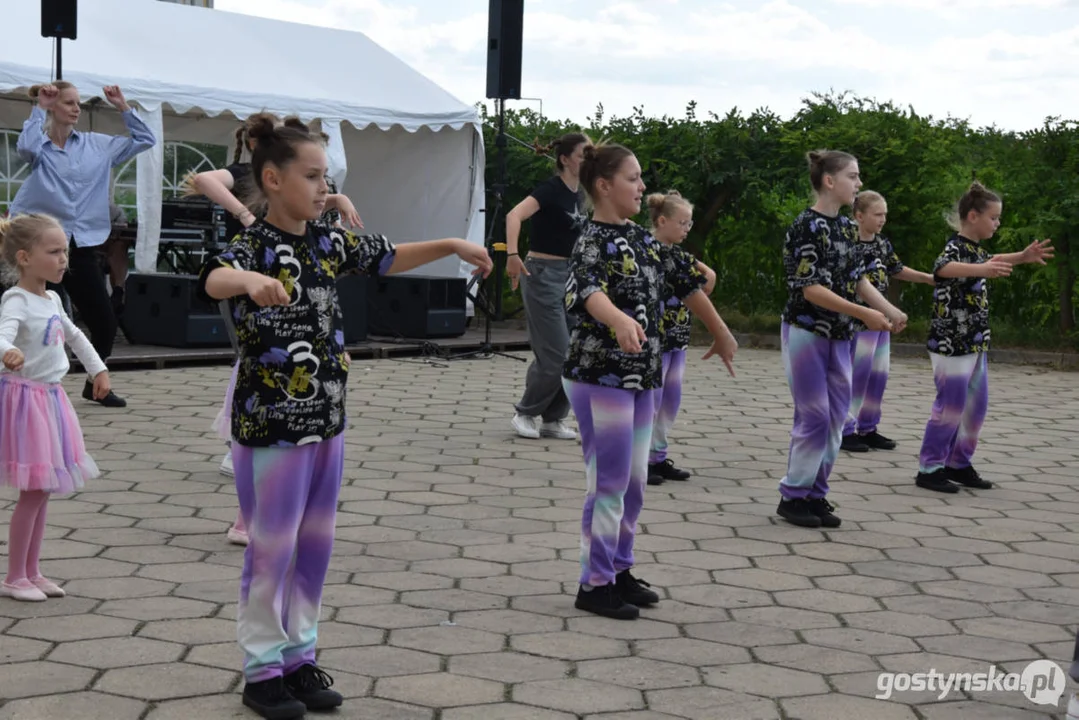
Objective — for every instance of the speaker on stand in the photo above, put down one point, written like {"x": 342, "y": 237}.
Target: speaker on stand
{"x": 505, "y": 33}
{"x": 59, "y": 20}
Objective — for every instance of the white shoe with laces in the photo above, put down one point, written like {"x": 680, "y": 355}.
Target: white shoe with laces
{"x": 558, "y": 430}
{"x": 226, "y": 465}
{"x": 526, "y": 426}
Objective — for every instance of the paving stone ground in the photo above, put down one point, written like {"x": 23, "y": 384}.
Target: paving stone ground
{"x": 449, "y": 595}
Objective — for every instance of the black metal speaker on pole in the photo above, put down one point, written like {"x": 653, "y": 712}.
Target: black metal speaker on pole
{"x": 59, "y": 20}
{"x": 505, "y": 36}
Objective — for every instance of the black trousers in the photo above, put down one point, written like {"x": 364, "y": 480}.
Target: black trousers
{"x": 84, "y": 286}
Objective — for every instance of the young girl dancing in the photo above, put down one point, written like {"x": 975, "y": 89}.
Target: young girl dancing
{"x": 871, "y": 351}
{"x": 825, "y": 278}
{"x": 614, "y": 367}
{"x": 41, "y": 445}
{"x": 234, "y": 189}
{"x": 672, "y": 217}
{"x": 288, "y": 415}
{"x": 959, "y": 341}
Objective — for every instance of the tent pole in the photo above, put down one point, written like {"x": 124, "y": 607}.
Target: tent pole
{"x": 59, "y": 58}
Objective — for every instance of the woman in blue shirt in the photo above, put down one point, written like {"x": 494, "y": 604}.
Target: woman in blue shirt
{"x": 70, "y": 179}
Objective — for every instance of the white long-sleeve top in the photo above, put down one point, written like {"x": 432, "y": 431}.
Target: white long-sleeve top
{"x": 38, "y": 326}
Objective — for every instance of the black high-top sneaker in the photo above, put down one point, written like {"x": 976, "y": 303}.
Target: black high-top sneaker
{"x": 797, "y": 511}
{"x": 634, "y": 590}
{"x": 272, "y": 700}
{"x": 668, "y": 471}
{"x": 311, "y": 686}
{"x": 605, "y": 600}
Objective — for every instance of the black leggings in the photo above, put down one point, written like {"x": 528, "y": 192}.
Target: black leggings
{"x": 84, "y": 286}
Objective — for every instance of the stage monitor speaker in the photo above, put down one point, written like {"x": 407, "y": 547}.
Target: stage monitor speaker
{"x": 164, "y": 310}
{"x": 352, "y": 294}
{"x": 505, "y": 33}
{"x": 409, "y": 306}
{"x": 59, "y": 19}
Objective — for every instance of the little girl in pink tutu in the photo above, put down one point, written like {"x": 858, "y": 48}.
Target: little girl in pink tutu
{"x": 41, "y": 445}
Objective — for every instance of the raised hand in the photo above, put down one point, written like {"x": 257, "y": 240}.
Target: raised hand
{"x": 1039, "y": 251}
{"x": 996, "y": 268}
{"x": 115, "y": 97}
{"x": 47, "y": 96}
{"x": 474, "y": 254}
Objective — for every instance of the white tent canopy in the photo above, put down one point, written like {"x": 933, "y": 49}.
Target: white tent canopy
{"x": 408, "y": 153}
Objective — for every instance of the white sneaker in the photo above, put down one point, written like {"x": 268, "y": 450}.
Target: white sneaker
{"x": 226, "y": 465}
{"x": 526, "y": 426}
{"x": 1073, "y": 708}
{"x": 558, "y": 429}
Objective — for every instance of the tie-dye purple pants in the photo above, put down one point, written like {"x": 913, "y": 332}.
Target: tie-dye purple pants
{"x": 818, "y": 372}
{"x": 951, "y": 435}
{"x": 288, "y": 497}
{"x": 668, "y": 400}
{"x": 871, "y": 354}
{"x": 616, "y": 430}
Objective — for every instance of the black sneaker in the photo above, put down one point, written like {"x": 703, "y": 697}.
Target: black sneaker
{"x": 668, "y": 471}
{"x": 111, "y": 400}
{"x": 654, "y": 479}
{"x": 798, "y": 512}
{"x": 634, "y": 590}
{"x": 272, "y": 700}
{"x": 311, "y": 686}
{"x": 876, "y": 441}
{"x": 854, "y": 443}
{"x": 969, "y": 477}
{"x": 606, "y": 601}
{"x": 823, "y": 509}
{"x": 937, "y": 481}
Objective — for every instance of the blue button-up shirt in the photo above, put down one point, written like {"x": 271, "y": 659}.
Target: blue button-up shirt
{"x": 72, "y": 183}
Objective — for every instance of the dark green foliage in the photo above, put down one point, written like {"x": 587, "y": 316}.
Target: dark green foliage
{"x": 746, "y": 175}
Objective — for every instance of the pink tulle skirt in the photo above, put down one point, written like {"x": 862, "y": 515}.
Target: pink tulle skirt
{"x": 223, "y": 422}
{"x": 41, "y": 445}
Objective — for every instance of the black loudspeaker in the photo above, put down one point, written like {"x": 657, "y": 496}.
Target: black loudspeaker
{"x": 352, "y": 294}
{"x": 416, "y": 307}
{"x": 504, "y": 38}
{"x": 59, "y": 19}
{"x": 165, "y": 310}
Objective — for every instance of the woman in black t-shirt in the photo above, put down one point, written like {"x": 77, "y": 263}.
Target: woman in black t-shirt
{"x": 556, "y": 209}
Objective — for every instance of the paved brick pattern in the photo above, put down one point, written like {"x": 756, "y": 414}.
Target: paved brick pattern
{"x": 448, "y": 596}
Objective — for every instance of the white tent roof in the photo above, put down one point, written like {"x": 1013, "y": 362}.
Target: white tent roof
{"x": 190, "y": 57}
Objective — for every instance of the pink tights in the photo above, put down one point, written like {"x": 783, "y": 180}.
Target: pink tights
{"x": 25, "y": 535}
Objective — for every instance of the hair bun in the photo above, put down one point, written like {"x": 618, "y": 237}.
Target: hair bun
{"x": 656, "y": 200}
{"x": 261, "y": 126}
{"x": 296, "y": 124}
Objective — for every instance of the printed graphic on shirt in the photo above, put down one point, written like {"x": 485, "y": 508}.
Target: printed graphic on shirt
{"x": 960, "y": 323}
{"x": 881, "y": 263}
{"x": 821, "y": 250}
{"x": 54, "y": 331}
{"x": 624, "y": 263}
{"x": 680, "y": 271}
{"x": 290, "y": 385}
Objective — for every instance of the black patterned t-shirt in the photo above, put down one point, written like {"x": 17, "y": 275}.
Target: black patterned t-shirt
{"x": 624, "y": 263}
{"x": 960, "y": 324}
{"x": 290, "y": 384}
{"x": 881, "y": 263}
{"x": 821, "y": 250}
{"x": 679, "y": 271}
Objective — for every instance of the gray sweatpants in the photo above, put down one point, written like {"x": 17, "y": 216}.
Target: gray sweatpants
{"x": 544, "y": 293}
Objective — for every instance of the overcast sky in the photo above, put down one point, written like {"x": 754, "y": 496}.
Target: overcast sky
{"x": 1004, "y": 62}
